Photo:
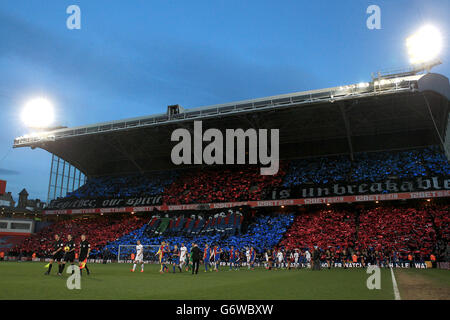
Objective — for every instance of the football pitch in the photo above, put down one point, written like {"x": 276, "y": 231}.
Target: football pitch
{"x": 26, "y": 280}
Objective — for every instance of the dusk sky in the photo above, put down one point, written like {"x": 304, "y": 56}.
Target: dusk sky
{"x": 133, "y": 58}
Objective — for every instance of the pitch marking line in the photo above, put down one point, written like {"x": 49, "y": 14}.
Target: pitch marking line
{"x": 394, "y": 284}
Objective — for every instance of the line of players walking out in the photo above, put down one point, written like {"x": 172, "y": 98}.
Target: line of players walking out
{"x": 180, "y": 258}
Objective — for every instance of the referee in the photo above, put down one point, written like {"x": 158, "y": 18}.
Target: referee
{"x": 69, "y": 256}
{"x": 195, "y": 254}
{"x": 85, "y": 249}
{"x": 57, "y": 254}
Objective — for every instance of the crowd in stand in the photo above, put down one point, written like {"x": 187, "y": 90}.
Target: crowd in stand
{"x": 321, "y": 170}
{"x": 441, "y": 223}
{"x": 383, "y": 231}
{"x": 435, "y": 161}
{"x": 134, "y": 185}
{"x": 325, "y": 228}
{"x": 226, "y": 223}
{"x": 368, "y": 167}
{"x": 99, "y": 231}
{"x": 243, "y": 183}
{"x": 374, "y": 235}
{"x": 407, "y": 230}
{"x": 263, "y": 232}
{"x": 379, "y": 166}
{"x": 232, "y": 183}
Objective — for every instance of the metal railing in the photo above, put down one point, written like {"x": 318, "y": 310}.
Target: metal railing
{"x": 282, "y": 101}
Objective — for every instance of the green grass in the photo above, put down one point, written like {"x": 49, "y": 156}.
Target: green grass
{"x": 26, "y": 280}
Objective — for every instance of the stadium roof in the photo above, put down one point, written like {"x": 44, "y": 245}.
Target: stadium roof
{"x": 385, "y": 114}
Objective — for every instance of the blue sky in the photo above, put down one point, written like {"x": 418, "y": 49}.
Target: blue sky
{"x": 133, "y": 58}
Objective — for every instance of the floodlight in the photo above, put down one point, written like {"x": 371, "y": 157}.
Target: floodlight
{"x": 363, "y": 85}
{"x": 425, "y": 45}
{"x": 38, "y": 113}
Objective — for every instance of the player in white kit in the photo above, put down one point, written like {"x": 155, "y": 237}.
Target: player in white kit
{"x": 139, "y": 256}
{"x": 247, "y": 255}
{"x": 280, "y": 259}
{"x": 308, "y": 258}
{"x": 296, "y": 256}
{"x": 183, "y": 251}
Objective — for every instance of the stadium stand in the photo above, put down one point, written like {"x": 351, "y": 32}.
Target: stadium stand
{"x": 242, "y": 183}
{"x": 179, "y": 225}
{"x": 319, "y": 170}
{"x": 236, "y": 183}
{"x": 417, "y": 231}
{"x": 8, "y": 242}
{"x": 380, "y": 233}
{"x": 263, "y": 232}
{"x": 435, "y": 160}
{"x": 397, "y": 228}
{"x": 324, "y": 228}
{"x": 124, "y": 186}
{"x": 376, "y": 166}
{"x": 401, "y": 230}
{"x": 99, "y": 231}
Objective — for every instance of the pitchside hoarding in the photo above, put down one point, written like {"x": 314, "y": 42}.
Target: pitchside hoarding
{"x": 391, "y": 185}
{"x": 105, "y": 202}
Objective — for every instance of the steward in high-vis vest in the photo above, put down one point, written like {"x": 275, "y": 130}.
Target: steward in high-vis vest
{"x": 410, "y": 260}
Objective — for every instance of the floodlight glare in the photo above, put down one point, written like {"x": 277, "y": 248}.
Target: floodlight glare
{"x": 38, "y": 113}
{"x": 363, "y": 85}
{"x": 425, "y": 45}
